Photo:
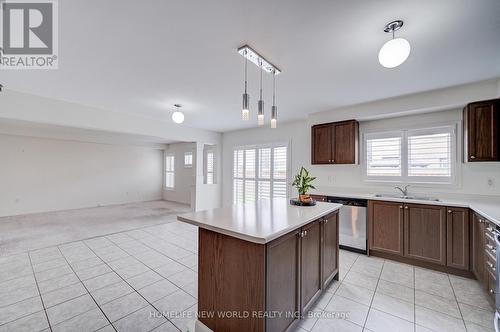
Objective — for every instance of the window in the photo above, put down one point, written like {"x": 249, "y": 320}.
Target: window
{"x": 210, "y": 168}
{"x": 259, "y": 173}
{"x": 419, "y": 155}
{"x": 170, "y": 171}
{"x": 188, "y": 159}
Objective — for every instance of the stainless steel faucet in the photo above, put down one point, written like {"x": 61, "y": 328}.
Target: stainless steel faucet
{"x": 403, "y": 191}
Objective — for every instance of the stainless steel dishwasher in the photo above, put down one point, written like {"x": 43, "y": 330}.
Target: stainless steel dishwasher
{"x": 352, "y": 227}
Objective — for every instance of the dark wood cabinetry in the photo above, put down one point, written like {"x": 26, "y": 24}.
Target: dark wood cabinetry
{"x": 330, "y": 240}
{"x": 457, "y": 238}
{"x": 283, "y": 280}
{"x": 478, "y": 245}
{"x": 481, "y": 131}
{"x": 299, "y": 267}
{"x": 310, "y": 276}
{"x": 431, "y": 236}
{"x": 335, "y": 143}
{"x": 385, "y": 229}
{"x": 425, "y": 233}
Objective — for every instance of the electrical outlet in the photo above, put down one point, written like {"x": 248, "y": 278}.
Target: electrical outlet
{"x": 491, "y": 182}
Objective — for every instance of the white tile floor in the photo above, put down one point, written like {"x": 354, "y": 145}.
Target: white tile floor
{"x": 121, "y": 282}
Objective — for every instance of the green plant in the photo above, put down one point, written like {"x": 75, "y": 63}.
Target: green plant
{"x": 302, "y": 181}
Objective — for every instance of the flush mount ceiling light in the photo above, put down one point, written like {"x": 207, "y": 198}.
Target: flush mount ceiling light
{"x": 264, "y": 66}
{"x": 394, "y": 52}
{"x": 178, "y": 116}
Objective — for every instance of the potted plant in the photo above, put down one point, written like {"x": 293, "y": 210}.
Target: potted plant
{"x": 302, "y": 182}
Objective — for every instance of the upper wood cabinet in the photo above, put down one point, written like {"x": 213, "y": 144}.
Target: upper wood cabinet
{"x": 335, "y": 143}
{"x": 481, "y": 131}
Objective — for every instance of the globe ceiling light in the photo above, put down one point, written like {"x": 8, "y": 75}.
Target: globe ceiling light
{"x": 394, "y": 52}
{"x": 178, "y": 116}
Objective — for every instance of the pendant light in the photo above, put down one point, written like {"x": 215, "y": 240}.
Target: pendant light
{"x": 260, "y": 112}
{"x": 245, "y": 111}
{"x": 178, "y": 116}
{"x": 274, "y": 108}
{"x": 394, "y": 52}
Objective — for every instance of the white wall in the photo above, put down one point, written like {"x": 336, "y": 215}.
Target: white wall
{"x": 39, "y": 174}
{"x": 185, "y": 179}
{"x": 473, "y": 177}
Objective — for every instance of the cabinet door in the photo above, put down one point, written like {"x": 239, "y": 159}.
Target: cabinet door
{"x": 310, "y": 264}
{"x": 321, "y": 144}
{"x": 330, "y": 238}
{"x": 345, "y": 143}
{"x": 385, "y": 227}
{"x": 457, "y": 238}
{"x": 425, "y": 233}
{"x": 482, "y": 131}
{"x": 478, "y": 245}
{"x": 283, "y": 280}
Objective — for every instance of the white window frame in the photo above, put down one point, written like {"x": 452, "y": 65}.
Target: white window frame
{"x": 186, "y": 154}
{"x": 168, "y": 155}
{"x": 257, "y": 178}
{"x": 405, "y": 178}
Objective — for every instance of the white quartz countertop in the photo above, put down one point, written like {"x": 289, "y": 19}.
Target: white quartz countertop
{"x": 488, "y": 207}
{"x": 259, "y": 222}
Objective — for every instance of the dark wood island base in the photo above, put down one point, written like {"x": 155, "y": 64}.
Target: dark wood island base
{"x": 252, "y": 287}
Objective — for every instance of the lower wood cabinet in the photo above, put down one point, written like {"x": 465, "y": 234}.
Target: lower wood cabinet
{"x": 283, "y": 280}
{"x": 385, "y": 227}
{"x": 310, "y": 274}
{"x": 330, "y": 240}
{"x": 425, "y": 233}
{"x": 457, "y": 238}
{"x": 299, "y": 267}
{"x": 478, "y": 245}
{"x": 433, "y": 236}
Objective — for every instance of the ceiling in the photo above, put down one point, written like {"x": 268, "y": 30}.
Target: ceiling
{"x": 141, "y": 57}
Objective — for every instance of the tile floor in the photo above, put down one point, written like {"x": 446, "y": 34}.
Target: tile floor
{"x": 123, "y": 281}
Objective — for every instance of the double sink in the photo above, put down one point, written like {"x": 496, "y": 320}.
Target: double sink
{"x": 418, "y": 198}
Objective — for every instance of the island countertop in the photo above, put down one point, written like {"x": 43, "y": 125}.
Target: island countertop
{"x": 259, "y": 222}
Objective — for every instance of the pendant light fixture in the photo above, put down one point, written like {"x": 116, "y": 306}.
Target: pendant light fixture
{"x": 264, "y": 65}
{"x": 260, "y": 108}
{"x": 245, "y": 111}
{"x": 178, "y": 116}
{"x": 394, "y": 52}
{"x": 274, "y": 108}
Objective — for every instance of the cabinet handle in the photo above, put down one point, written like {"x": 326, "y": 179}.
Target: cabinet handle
{"x": 472, "y": 157}
{"x": 305, "y": 233}
{"x": 401, "y": 206}
{"x": 490, "y": 264}
{"x": 492, "y": 291}
{"x": 481, "y": 221}
{"x": 406, "y": 207}
{"x": 449, "y": 211}
{"x": 326, "y": 221}
{"x": 489, "y": 246}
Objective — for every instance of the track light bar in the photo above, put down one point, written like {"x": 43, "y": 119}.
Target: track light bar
{"x": 249, "y": 53}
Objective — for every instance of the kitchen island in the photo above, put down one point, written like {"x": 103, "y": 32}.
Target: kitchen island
{"x": 262, "y": 265}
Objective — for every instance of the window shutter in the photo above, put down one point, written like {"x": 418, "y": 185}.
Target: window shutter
{"x": 429, "y": 154}
{"x": 383, "y": 156}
